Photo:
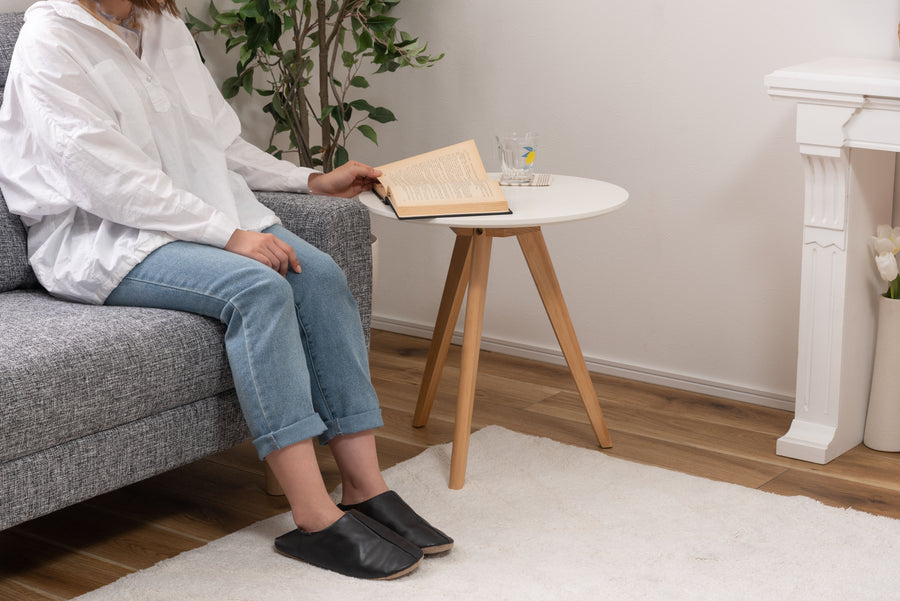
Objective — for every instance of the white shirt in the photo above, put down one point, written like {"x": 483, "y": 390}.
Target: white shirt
{"x": 107, "y": 156}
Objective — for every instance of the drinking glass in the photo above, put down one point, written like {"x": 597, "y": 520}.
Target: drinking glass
{"x": 517, "y": 152}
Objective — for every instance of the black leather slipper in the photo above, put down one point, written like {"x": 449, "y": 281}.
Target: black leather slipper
{"x": 356, "y": 546}
{"x": 392, "y": 511}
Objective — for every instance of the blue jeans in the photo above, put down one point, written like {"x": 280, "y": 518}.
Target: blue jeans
{"x": 295, "y": 343}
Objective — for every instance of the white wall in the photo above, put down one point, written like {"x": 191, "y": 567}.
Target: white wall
{"x": 696, "y": 282}
{"x": 697, "y": 278}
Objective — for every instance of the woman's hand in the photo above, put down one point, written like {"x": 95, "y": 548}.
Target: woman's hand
{"x": 265, "y": 248}
{"x": 346, "y": 181}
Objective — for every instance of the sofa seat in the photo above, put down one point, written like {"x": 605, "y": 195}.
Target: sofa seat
{"x": 71, "y": 369}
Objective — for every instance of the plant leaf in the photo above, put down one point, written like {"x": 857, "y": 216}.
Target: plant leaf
{"x": 363, "y": 41}
{"x": 195, "y": 23}
{"x": 246, "y": 54}
{"x": 249, "y": 11}
{"x": 382, "y": 115}
{"x": 247, "y": 81}
{"x": 231, "y": 86}
{"x": 229, "y": 18}
{"x": 368, "y": 132}
{"x": 232, "y": 42}
{"x": 277, "y": 106}
{"x": 362, "y": 105}
{"x": 381, "y": 24}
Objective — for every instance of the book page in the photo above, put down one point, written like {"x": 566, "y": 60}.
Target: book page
{"x": 449, "y": 180}
{"x": 457, "y": 163}
{"x": 425, "y": 193}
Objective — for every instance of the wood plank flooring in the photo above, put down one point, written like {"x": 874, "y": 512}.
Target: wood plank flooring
{"x": 84, "y": 547}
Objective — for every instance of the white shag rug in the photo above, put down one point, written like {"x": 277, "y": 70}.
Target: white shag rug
{"x": 542, "y": 520}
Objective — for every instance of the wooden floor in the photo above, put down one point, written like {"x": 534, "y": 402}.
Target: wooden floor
{"x": 89, "y": 545}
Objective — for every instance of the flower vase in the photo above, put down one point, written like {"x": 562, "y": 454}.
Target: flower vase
{"x": 883, "y": 416}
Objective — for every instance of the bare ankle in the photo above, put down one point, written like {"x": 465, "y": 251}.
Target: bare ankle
{"x": 316, "y": 520}
{"x": 352, "y": 495}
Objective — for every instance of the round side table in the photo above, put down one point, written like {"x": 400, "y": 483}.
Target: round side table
{"x": 566, "y": 199}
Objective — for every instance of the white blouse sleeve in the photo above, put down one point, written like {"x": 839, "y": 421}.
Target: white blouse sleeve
{"x": 89, "y": 162}
{"x": 262, "y": 171}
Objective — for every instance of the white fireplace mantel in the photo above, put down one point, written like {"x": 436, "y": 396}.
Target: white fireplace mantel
{"x": 848, "y": 129}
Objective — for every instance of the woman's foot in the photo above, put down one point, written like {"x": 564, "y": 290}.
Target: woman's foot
{"x": 314, "y": 518}
{"x": 355, "y": 545}
{"x": 297, "y": 471}
{"x": 392, "y": 511}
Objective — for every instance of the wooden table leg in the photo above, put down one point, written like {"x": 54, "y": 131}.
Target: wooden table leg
{"x": 535, "y": 250}
{"x": 448, "y": 312}
{"x": 480, "y": 262}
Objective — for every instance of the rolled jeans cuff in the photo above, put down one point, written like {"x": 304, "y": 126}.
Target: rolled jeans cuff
{"x": 285, "y": 437}
{"x": 351, "y": 424}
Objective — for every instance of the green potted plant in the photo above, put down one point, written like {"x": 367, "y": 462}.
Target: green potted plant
{"x": 315, "y": 56}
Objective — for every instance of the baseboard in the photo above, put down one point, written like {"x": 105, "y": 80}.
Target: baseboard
{"x": 602, "y": 366}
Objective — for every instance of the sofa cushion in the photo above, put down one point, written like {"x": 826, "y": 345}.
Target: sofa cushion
{"x": 14, "y": 269}
{"x": 15, "y": 272}
{"x": 10, "y": 24}
{"x": 67, "y": 369}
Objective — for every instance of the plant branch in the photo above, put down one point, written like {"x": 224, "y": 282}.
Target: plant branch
{"x": 322, "y": 17}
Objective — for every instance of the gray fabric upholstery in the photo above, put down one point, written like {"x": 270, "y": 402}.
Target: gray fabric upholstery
{"x": 14, "y": 269}
{"x": 10, "y": 24}
{"x": 42, "y": 482}
{"x": 70, "y": 370}
{"x": 15, "y": 272}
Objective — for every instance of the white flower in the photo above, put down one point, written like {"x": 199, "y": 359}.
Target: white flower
{"x": 886, "y": 244}
{"x": 887, "y": 266}
{"x": 886, "y": 240}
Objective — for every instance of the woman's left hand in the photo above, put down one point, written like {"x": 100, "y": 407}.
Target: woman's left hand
{"x": 265, "y": 248}
{"x": 346, "y": 181}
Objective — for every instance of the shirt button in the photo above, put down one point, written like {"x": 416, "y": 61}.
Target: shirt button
{"x": 149, "y": 79}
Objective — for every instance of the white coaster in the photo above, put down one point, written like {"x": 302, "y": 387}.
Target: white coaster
{"x": 538, "y": 179}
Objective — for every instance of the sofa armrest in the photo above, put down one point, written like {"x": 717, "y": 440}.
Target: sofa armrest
{"x": 337, "y": 226}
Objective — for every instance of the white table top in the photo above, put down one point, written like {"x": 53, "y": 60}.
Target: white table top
{"x": 567, "y": 198}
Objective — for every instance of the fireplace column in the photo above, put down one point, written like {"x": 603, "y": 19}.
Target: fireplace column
{"x": 848, "y": 129}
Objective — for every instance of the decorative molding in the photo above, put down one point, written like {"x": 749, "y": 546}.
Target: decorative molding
{"x": 881, "y": 104}
{"x": 808, "y": 441}
{"x": 825, "y": 206}
{"x": 821, "y": 334}
{"x": 812, "y": 97}
{"x": 821, "y": 128}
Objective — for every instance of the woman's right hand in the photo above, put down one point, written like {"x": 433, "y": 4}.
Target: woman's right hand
{"x": 268, "y": 249}
{"x": 346, "y": 181}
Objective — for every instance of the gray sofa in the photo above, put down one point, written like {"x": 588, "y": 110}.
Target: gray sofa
{"x": 93, "y": 398}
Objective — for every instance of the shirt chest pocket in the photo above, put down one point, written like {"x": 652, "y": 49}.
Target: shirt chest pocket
{"x": 127, "y": 86}
{"x": 182, "y": 65}
{"x": 123, "y": 98}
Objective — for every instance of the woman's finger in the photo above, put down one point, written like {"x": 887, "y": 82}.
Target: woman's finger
{"x": 292, "y": 261}
{"x": 281, "y": 260}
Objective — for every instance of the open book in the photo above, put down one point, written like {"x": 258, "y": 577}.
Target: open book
{"x": 448, "y": 181}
